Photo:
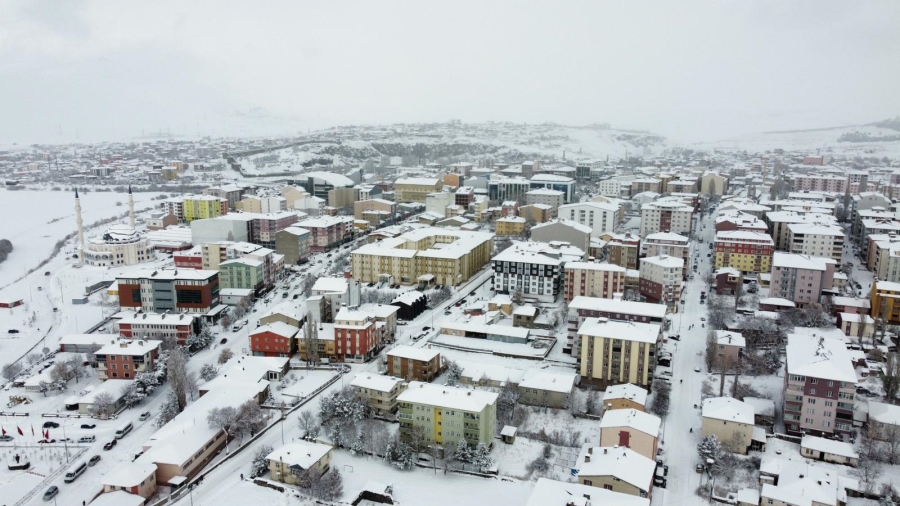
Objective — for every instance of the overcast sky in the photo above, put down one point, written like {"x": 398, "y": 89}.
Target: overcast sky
{"x": 689, "y": 70}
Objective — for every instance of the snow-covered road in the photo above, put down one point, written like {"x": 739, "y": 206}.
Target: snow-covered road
{"x": 679, "y": 443}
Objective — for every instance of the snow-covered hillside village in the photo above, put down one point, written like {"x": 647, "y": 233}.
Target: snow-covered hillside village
{"x": 453, "y": 314}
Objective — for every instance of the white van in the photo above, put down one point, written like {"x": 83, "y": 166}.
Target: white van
{"x": 75, "y": 473}
{"x": 87, "y": 439}
{"x": 123, "y": 430}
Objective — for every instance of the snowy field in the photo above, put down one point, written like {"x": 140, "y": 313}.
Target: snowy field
{"x": 36, "y": 228}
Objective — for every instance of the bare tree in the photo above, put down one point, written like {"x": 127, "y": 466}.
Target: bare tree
{"x": 868, "y": 469}
{"x": 34, "y": 358}
{"x": 11, "y": 370}
{"x": 225, "y": 355}
{"x": 311, "y": 342}
{"x": 177, "y": 376}
{"x": 308, "y": 423}
{"x": 225, "y": 419}
{"x": 191, "y": 384}
{"x": 891, "y": 378}
{"x": 102, "y": 405}
{"x": 890, "y": 447}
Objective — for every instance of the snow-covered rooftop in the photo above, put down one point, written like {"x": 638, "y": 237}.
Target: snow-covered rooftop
{"x": 622, "y": 463}
{"x": 729, "y": 338}
{"x": 619, "y": 306}
{"x": 473, "y": 401}
{"x": 303, "y": 454}
{"x": 728, "y": 410}
{"x": 129, "y": 474}
{"x": 549, "y": 492}
{"x": 129, "y": 347}
{"x": 617, "y": 329}
{"x": 412, "y": 353}
{"x": 644, "y": 422}
{"x": 278, "y": 328}
{"x": 626, "y": 391}
{"x": 828, "y": 446}
{"x": 377, "y": 382}
{"x": 819, "y": 357}
{"x": 797, "y": 261}
{"x": 550, "y": 381}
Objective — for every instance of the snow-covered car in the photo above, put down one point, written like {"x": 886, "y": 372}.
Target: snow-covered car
{"x": 88, "y": 425}
{"x": 5, "y": 438}
{"x": 145, "y": 415}
{"x": 51, "y": 493}
{"x": 696, "y": 369}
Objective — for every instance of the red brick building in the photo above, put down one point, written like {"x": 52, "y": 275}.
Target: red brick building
{"x": 189, "y": 259}
{"x": 124, "y": 359}
{"x": 355, "y": 335}
{"x": 276, "y": 339}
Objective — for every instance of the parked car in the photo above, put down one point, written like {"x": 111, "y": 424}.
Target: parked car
{"x": 51, "y": 493}
{"x": 224, "y": 340}
{"x": 89, "y": 426}
{"x": 676, "y": 337}
{"x": 696, "y": 369}
{"x": 46, "y": 441}
{"x": 94, "y": 460}
{"x": 50, "y": 425}
{"x": 145, "y": 415}
{"x": 13, "y": 331}
{"x": 87, "y": 439}
{"x": 6, "y": 438}
{"x": 110, "y": 445}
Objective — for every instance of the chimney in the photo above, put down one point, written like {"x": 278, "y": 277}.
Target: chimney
{"x": 605, "y": 451}
{"x": 587, "y": 458}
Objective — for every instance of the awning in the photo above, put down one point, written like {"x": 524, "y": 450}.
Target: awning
{"x": 426, "y": 277}
{"x": 177, "y": 480}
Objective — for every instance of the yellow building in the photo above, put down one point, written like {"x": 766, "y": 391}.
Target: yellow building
{"x": 745, "y": 251}
{"x": 478, "y": 207}
{"x": 613, "y": 351}
{"x": 731, "y": 421}
{"x": 188, "y": 208}
{"x": 415, "y": 189}
{"x": 448, "y": 414}
{"x": 885, "y": 300}
{"x": 624, "y": 396}
{"x": 514, "y": 225}
{"x": 617, "y": 469}
{"x": 168, "y": 173}
{"x": 431, "y": 255}
{"x": 325, "y": 337}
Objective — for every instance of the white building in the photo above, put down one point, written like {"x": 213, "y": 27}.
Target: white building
{"x": 533, "y": 269}
{"x": 816, "y": 240}
{"x": 599, "y": 216}
{"x": 666, "y": 216}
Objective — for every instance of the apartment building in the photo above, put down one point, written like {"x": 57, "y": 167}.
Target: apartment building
{"x": 413, "y": 364}
{"x": 447, "y": 414}
{"x": 816, "y": 240}
{"x": 262, "y": 204}
{"x": 667, "y": 243}
{"x": 614, "y": 351}
{"x": 561, "y": 230}
{"x": 326, "y": 232}
{"x": 547, "y": 196}
{"x": 355, "y": 335}
{"x": 819, "y": 183}
{"x": 318, "y": 184}
{"x": 613, "y": 188}
{"x": 736, "y": 220}
{"x": 124, "y": 359}
{"x": 415, "y": 189}
{"x": 159, "y": 326}
{"x": 230, "y": 192}
{"x": 800, "y": 278}
{"x": 380, "y": 392}
{"x": 712, "y": 183}
{"x": 547, "y": 389}
{"x": 291, "y": 462}
{"x": 819, "y": 386}
{"x": 242, "y": 273}
{"x": 601, "y": 217}
{"x": 554, "y": 182}
{"x": 293, "y": 244}
{"x": 778, "y": 222}
{"x": 885, "y": 300}
{"x": 620, "y": 249}
{"x": 374, "y": 210}
{"x": 533, "y": 269}
{"x": 593, "y": 279}
{"x": 275, "y": 339}
{"x": 582, "y": 308}
{"x": 538, "y": 213}
{"x": 647, "y": 184}
{"x": 744, "y": 251}
{"x": 661, "y": 279}
{"x": 666, "y": 216}
{"x": 187, "y": 208}
{"x": 436, "y": 255}
{"x": 510, "y": 225}
{"x": 177, "y": 290}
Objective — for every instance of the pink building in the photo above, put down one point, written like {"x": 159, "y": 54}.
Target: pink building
{"x": 820, "y": 183}
{"x": 325, "y": 232}
{"x": 800, "y": 278}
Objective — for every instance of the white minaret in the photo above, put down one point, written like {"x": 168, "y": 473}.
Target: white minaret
{"x": 80, "y": 226}
{"x": 130, "y": 207}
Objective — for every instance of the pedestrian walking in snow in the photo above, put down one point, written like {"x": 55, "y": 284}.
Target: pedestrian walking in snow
{"x": 242, "y": 476}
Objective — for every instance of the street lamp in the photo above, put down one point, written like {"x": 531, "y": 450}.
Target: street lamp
{"x": 65, "y": 442}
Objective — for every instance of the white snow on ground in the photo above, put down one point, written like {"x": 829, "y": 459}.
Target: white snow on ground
{"x": 34, "y": 229}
